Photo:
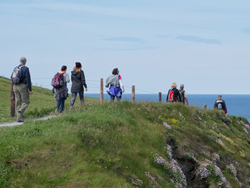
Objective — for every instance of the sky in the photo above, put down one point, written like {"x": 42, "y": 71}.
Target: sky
{"x": 199, "y": 43}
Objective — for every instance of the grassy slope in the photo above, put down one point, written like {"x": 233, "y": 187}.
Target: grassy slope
{"x": 113, "y": 144}
{"x": 42, "y": 102}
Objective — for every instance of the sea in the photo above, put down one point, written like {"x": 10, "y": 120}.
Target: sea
{"x": 237, "y": 105}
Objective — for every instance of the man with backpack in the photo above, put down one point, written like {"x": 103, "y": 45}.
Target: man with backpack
{"x": 220, "y": 104}
{"x": 173, "y": 94}
{"x": 183, "y": 95}
{"x": 22, "y": 88}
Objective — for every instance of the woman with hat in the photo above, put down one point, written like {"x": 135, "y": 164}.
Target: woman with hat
{"x": 78, "y": 82}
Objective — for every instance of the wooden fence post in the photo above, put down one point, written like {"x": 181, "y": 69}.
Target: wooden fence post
{"x": 12, "y": 101}
{"x": 133, "y": 93}
{"x": 101, "y": 90}
{"x": 205, "y": 107}
{"x": 159, "y": 97}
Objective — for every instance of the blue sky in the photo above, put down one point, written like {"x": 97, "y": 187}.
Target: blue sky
{"x": 202, "y": 44}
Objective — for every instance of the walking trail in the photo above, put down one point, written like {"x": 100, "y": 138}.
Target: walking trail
{"x": 12, "y": 124}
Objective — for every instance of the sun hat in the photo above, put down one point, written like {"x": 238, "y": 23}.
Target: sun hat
{"x": 78, "y": 65}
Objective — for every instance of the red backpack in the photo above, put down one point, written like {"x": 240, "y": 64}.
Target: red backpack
{"x": 171, "y": 97}
{"x": 57, "y": 81}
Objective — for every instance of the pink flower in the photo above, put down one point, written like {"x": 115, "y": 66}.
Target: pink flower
{"x": 203, "y": 171}
{"x": 245, "y": 130}
{"x": 152, "y": 178}
{"x": 246, "y": 125}
{"x": 226, "y": 126}
{"x": 172, "y": 165}
{"x": 160, "y": 160}
{"x": 166, "y": 125}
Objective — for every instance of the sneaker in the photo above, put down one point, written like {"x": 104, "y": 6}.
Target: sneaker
{"x": 20, "y": 117}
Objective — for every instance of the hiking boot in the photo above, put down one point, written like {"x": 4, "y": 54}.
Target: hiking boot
{"x": 20, "y": 117}
{"x": 56, "y": 111}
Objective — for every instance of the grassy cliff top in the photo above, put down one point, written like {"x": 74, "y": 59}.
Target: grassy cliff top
{"x": 128, "y": 145}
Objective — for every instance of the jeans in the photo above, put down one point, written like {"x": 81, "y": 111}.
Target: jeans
{"x": 74, "y": 95}
{"x": 112, "y": 98}
{"x": 61, "y": 103}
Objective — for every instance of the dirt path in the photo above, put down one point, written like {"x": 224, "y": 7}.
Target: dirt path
{"x": 11, "y": 124}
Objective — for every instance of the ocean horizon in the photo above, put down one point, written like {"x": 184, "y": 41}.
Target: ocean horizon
{"x": 237, "y": 104}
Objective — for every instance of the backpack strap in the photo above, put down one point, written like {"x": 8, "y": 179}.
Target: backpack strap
{"x": 21, "y": 73}
{"x": 20, "y": 70}
{"x": 182, "y": 92}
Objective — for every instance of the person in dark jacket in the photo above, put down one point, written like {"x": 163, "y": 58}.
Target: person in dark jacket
{"x": 173, "y": 94}
{"x": 61, "y": 93}
{"x": 22, "y": 88}
{"x": 78, "y": 82}
{"x": 220, "y": 104}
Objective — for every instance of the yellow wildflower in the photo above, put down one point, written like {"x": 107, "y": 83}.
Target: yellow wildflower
{"x": 174, "y": 121}
{"x": 229, "y": 150}
{"x": 213, "y": 132}
{"x": 228, "y": 139}
{"x": 242, "y": 154}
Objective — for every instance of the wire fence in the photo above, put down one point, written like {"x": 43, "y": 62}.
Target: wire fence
{"x": 93, "y": 85}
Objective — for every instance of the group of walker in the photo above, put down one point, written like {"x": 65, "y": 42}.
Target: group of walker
{"x": 22, "y": 88}
{"x": 177, "y": 95}
{"x": 60, "y": 90}
{"x": 180, "y": 95}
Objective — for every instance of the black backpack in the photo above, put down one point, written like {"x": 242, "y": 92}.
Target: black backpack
{"x": 182, "y": 99}
{"x": 219, "y": 105}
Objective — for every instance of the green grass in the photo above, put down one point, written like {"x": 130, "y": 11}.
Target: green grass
{"x": 42, "y": 102}
{"x": 112, "y": 144}
{"x": 115, "y": 144}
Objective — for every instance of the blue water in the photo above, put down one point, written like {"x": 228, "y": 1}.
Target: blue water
{"x": 238, "y": 105}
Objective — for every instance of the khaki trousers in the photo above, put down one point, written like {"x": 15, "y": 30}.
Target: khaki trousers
{"x": 22, "y": 97}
